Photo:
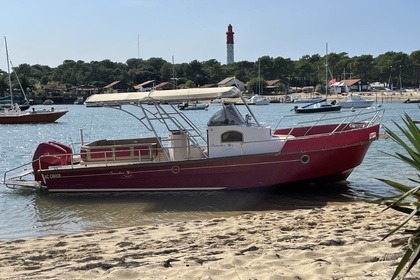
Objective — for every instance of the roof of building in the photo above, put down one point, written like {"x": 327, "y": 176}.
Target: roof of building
{"x": 139, "y": 86}
{"x": 111, "y": 84}
{"x": 161, "y": 85}
{"x": 272, "y": 82}
{"x": 225, "y": 80}
{"x": 351, "y": 82}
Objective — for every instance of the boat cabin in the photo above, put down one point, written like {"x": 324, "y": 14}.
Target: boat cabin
{"x": 230, "y": 134}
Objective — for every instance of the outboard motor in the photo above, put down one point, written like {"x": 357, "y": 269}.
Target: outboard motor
{"x": 50, "y": 153}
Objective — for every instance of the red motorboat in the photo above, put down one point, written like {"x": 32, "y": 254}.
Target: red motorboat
{"x": 236, "y": 151}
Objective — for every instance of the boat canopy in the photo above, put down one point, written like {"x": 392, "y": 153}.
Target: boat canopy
{"x": 164, "y": 95}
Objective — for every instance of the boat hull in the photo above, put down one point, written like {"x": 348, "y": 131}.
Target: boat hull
{"x": 32, "y": 117}
{"x": 332, "y": 108}
{"x": 329, "y": 158}
{"x": 360, "y": 104}
{"x": 412, "y": 101}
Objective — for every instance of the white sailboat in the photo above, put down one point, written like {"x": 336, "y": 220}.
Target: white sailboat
{"x": 257, "y": 99}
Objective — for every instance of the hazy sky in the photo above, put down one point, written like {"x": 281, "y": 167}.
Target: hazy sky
{"x": 47, "y": 32}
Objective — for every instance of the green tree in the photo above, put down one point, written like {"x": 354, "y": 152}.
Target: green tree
{"x": 256, "y": 85}
{"x": 214, "y": 71}
{"x": 415, "y": 62}
{"x": 304, "y": 70}
{"x": 362, "y": 67}
{"x": 389, "y": 66}
{"x": 190, "y": 84}
{"x": 4, "y": 83}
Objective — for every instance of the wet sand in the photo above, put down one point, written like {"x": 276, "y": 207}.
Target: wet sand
{"x": 337, "y": 240}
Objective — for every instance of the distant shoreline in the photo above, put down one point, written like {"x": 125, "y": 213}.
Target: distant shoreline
{"x": 280, "y": 98}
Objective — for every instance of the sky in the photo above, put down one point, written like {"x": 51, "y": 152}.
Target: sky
{"x": 48, "y": 32}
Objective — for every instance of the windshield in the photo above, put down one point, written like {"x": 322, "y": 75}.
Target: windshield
{"x": 228, "y": 115}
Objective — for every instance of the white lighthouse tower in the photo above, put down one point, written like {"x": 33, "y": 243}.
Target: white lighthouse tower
{"x": 229, "y": 45}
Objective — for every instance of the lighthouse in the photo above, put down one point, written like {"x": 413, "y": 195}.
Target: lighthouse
{"x": 229, "y": 45}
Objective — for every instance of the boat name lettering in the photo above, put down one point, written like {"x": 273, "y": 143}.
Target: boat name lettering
{"x": 221, "y": 145}
{"x": 124, "y": 173}
{"x": 52, "y": 176}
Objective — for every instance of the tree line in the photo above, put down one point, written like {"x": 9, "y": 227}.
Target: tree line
{"x": 307, "y": 71}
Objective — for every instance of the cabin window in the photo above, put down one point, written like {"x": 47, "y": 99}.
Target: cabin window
{"x": 232, "y": 136}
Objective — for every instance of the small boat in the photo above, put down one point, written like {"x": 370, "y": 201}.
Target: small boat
{"x": 412, "y": 101}
{"x": 48, "y": 102}
{"x": 318, "y": 107}
{"x": 355, "y": 101}
{"x": 79, "y": 100}
{"x": 233, "y": 152}
{"x": 193, "y": 106}
{"x": 258, "y": 100}
{"x": 14, "y": 114}
{"x": 298, "y": 99}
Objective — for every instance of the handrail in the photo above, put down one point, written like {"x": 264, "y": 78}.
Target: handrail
{"x": 16, "y": 168}
{"x": 374, "y": 116}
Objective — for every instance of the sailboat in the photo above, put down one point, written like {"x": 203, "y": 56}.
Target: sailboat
{"x": 14, "y": 115}
{"x": 320, "y": 105}
{"x": 257, "y": 99}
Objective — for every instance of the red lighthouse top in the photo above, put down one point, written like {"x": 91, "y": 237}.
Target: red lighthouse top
{"x": 229, "y": 35}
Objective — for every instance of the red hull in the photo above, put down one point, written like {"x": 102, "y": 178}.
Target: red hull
{"x": 32, "y": 117}
{"x": 326, "y": 157}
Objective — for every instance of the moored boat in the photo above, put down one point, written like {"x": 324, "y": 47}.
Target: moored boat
{"x": 258, "y": 100}
{"x": 320, "y": 106}
{"x": 15, "y": 115}
{"x": 412, "y": 100}
{"x": 193, "y": 106}
{"x": 355, "y": 101}
{"x": 235, "y": 152}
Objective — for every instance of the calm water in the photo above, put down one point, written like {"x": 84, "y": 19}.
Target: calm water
{"x": 28, "y": 213}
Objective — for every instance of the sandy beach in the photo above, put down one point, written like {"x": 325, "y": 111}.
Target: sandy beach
{"x": 335, "y": 241}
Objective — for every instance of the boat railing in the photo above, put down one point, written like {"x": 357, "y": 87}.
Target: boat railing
{"x": 119, "y": 152}
{"x": 366, "y": 116}
{"x": 155, "y": 115}
{"x": 173, "y": 120}
{"x": 15, "y": 176}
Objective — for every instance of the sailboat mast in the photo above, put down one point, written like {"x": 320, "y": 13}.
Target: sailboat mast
{"x": 326, "y": 70}
{"x": 8, "y": 71}
{"x": 259, "y": 77}
{"x": 400, "y": 81}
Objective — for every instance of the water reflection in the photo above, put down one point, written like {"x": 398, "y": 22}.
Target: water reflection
{"x": 70, "y": 213}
